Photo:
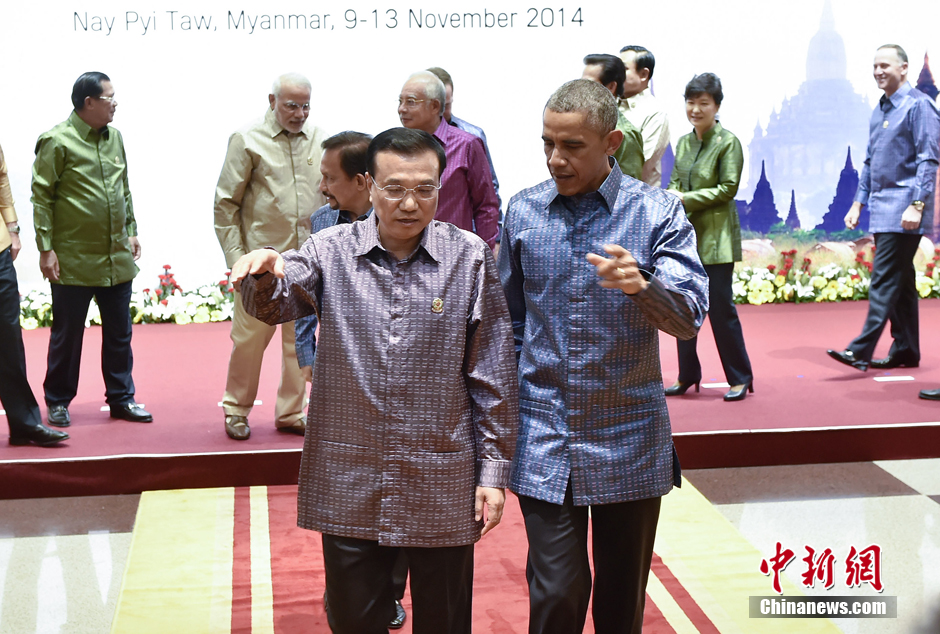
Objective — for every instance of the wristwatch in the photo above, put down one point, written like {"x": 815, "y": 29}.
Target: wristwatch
{"x": 918, "y": 205}
{"x": 14, "y": 228}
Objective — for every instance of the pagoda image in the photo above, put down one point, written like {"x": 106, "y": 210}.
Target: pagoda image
{"x": 803, "y": 148}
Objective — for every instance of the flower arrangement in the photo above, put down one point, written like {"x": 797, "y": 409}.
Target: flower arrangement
{"x": 165, "y": 303}
{"x": 773, "y": 284}
{"x": 828, "y": 283}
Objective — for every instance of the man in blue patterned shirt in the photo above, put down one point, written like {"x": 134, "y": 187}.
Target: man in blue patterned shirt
{"x": 897, "y": 184}
{"x": 594, "y": 431}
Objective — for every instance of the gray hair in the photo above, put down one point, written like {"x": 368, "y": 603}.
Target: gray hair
{"x": 290, "y": 79}
{"x": 589, "y": 98}
{"x": 433, "y": 87}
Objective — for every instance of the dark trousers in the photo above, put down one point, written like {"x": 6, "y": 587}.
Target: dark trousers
{"x": 360, "y": 591}
{"x": 15, "y": 394}
{"x": 891, "y": 296}
{"x": 559, "y": 574}
{"x": 69, "y": 309}
{"x": 727, "y": 329}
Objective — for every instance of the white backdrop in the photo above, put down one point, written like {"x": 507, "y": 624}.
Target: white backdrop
{"x": 182, "y": 91}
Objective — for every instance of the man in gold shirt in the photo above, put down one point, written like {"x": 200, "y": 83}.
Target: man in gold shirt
{"x": 267, "y": 190}
{"x": 16, "y": 396}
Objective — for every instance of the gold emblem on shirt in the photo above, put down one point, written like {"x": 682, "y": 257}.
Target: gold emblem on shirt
{"x": 437, "y": 306}
{"x": 885, "y": 125}
{"x": 117, "y": 160}
{"x": 309, "y": 160}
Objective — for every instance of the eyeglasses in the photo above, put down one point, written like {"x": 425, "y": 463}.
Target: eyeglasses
{"x": 110, "y": 99}
{"x": 397, "y": 192}
{"x": 410, "y": 102}
{"x": 294, "y": 107}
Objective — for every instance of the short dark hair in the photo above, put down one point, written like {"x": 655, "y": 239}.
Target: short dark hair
{"x": 706, "y": 83}
{"x": 405, "y": 142}
{"x": 590, "y": 99}
{"x": 87, "y": 85}
{"x": 902, "y": 54}
{"x": 612, "y": 69}
{"x": 353, "y": 147}
{"x": 644, "y": 58}
{"x": 443, "y": 75}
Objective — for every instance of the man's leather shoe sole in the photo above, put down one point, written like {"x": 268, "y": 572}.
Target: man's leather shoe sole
{"x": 891, "y": 361}
{"x": 131, "y": 412}
{"x": 58, "y": 416}
{"x": 39, "y": 435}
{"x": 930, "y": 395}
{"x": 237, "y": 427}
{"x": 848, "y": 358}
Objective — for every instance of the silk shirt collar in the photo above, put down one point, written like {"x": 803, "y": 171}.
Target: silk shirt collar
{"x": 369, "y": 239}
{"x": 898, "y": 97}
{"x": 85, "y": 130}
{"x": 630, "y": 102}
{"x": 607, "y": 191}
{"x": 274, "y": 128}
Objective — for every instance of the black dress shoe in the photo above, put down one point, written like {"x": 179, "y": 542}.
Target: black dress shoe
{"x": 930, "y": 395}
{"x": 738, "y": 392}
{"x": 38, "y": 435}
{"x": 397, "y": 622}
{"x": 58, "y": 416}
{"x": 895, "y": 361}
{"x": 132, "y": 412}
{"x": 680, "y": 387}
{"x": 400, "y": 617}
{"x": 848, "y": 358}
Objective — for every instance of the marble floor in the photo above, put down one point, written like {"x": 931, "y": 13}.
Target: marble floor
{"x": 62, "y": 560}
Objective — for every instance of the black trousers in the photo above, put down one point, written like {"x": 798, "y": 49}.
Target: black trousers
{"x": 15, "y": 394}
{"x": 727, "y": 329}
{"x": 69, "y": 309}
{"x": 892, "y": 296}
{"x": 360, "y": 591}
{"x": 559, "y": 574}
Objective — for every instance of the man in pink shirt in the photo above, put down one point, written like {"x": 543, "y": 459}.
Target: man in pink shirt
{"x": 467, "y": 198}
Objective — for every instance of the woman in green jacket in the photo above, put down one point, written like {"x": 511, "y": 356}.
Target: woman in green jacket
{"x": 705, "y": 177}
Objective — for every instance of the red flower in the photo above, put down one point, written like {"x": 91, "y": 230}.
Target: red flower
{"x": 771, "y": 268}
{"x": 158, "y": 292}
{"x": 807, "y": 261}
{"x": 147, "y": 291}
{"x": 166, "y": 267}
{"x": 164, "y": 302}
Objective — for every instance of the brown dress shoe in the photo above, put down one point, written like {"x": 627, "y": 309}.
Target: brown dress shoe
{"x": 299, "y": 428}
{"x": 237, "y": 427}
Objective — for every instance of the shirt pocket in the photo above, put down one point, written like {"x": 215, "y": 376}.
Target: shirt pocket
{"x": 439, "y": 493}
{"x": 348, "y": 478}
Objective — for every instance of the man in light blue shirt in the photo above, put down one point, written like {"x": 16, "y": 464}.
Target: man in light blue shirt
{"x": 897, "y": 184}
{"x": 594, "y": 430}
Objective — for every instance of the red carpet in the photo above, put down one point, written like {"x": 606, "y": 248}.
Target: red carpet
{"x": 180, "y": 376}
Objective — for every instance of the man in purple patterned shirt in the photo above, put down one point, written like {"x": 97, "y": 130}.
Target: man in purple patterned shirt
{"x": 413, "y": 407}
{"x": 467, "y": 198}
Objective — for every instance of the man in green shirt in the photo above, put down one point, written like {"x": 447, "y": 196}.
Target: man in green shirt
{"x": 610, "y": 72}
{"x": 87, "y": 240}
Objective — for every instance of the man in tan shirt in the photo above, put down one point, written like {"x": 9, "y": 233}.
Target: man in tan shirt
{"x": 22, "y": 411}
{"x": 267, "y": 190}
